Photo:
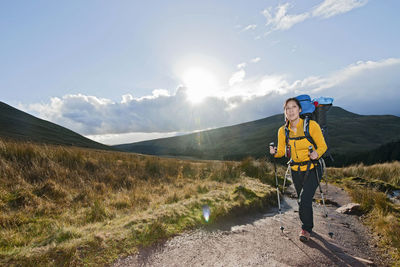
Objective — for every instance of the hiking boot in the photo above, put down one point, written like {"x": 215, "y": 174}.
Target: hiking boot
{"x": 304, "y": 236}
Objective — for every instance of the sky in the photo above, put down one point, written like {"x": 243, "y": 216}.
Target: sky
{"x": 125, "y": 71}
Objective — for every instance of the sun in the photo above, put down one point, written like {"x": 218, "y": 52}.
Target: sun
{"x": 200, "y": 83}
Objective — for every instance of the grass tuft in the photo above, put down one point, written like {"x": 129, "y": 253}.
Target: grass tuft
{"x": 96, "y": 212}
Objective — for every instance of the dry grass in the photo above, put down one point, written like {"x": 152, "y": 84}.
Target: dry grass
{"x": 64, "y": 206}
{"x": 387, "y": 172}
{"x": 368, "y": 185}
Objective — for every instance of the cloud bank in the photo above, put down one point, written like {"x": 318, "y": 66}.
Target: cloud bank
{"x": 365, "y": 87}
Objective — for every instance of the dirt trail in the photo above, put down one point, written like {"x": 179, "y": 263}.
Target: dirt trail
{"x": 256, "y": 240}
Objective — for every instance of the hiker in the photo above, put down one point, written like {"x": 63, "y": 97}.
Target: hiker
{"x": 303, "y": 169}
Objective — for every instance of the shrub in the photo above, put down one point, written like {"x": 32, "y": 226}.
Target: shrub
{"x": 19, "y": 198}
{"x": 188, "y": 171}
{"x": 150, "y": 233}
{"x": 172, "y": 198}
{"x": 227, "y": 172}
{"x": 153, "y": 168}
{"x": 202, "y": 189}
{"x": 248, "y": 167}
{"x": 96, "y": 212}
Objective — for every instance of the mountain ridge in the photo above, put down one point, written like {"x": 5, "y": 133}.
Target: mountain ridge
{"x": 347, "y": 131}
{"x": 352, "y": 137}
{"x": 19, "y": 125}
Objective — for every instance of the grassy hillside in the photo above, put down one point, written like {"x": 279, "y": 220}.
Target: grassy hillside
{"x": 18, "y": 125}
{"x": 233, "y": 142}
{"x": 63, "y": 206}
{"x": 349, "y": 134}
{"x": 385, "y": 153}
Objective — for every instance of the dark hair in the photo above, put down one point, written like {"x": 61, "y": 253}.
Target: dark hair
{"x": 284, "y": 107}
{"x": 292, "y": 99}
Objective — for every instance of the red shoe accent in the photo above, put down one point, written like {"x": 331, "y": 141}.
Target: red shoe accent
{"x": 304, "y": 235}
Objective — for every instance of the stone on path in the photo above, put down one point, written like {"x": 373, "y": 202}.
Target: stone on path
{"x": 351, "y": 208}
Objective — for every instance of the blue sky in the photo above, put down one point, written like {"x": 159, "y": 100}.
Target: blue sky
{"x": 124, "y": 71}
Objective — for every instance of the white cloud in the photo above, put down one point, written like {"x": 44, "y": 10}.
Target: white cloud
{"x": 281, "y": 20}
{"x": 366, "y": 87}
{"x": 250, "y": 27}
{"x": 155, "y": 94}
{"x": 127, "y": 98}
{"x": 274, "y": 84}
{"x": 90, "y": 115}
{"x": 237, "y": 77}
{"x": 241, "y": 65}
{"x": 244, "y": 64}
{"x": 330, "y": 8}
{"x": 160, "y": 92}
{"x": 316, "y": 84}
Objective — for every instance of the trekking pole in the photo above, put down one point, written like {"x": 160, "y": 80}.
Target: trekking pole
{"x": 287, "y": 175}
{"x": 323, "y": 176}
{"x": 277, "y": 192}
{"x": 330, "y": 233}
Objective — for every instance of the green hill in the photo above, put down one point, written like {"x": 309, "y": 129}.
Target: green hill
{"x": 349, "y": 133}
{"x": 18, "y": 125}
{"x": 388, "y": 152}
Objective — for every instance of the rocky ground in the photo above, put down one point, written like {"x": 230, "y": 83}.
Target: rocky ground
{"x": 256, "y": 240}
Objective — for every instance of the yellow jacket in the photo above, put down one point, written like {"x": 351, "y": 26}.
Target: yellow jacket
{"x": 299, "y": 148}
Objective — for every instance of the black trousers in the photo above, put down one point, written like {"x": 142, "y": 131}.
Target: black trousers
{"x": 305, "y": 188}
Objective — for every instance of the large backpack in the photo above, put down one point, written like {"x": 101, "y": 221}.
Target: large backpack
{"x": 316, "y": 110}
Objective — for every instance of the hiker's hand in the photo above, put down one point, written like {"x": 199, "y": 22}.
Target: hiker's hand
{"x": 314, "y": 155}
{"x": 272, "y": 150}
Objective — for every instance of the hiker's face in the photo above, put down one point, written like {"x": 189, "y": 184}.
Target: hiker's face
{"x": 292, "y": 111}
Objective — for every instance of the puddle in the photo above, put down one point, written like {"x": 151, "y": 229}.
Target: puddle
{"x": 394, "y": 196}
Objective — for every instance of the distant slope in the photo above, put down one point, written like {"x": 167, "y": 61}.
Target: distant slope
{"x": 349, "y": 133}
{"x": 18, "y": 125}
{"x": 232, "y": 142}
{"x": 385, "y": 153}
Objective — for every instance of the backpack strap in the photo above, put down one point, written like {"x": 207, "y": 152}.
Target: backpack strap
{"x": 306, "y": 128}
{"x": 286, "y": 137}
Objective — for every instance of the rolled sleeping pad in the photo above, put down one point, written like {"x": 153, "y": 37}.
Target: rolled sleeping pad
{"x": 306, "y": 105}
{"x": 323, "y": 100}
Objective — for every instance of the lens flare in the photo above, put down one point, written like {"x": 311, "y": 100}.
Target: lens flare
{"x": 206, "y": 212}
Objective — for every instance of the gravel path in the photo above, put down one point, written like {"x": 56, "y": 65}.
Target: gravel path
{"x": 256, "y": 240}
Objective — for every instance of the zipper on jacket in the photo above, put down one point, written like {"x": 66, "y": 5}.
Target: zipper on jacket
{"x": 295, "y": 149}
{"x": 294, "y": 144}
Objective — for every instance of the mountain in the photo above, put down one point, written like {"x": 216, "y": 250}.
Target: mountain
{"x": 349, "y": 134}
{"x": 385, "y": 153}
{"x": 18, "y": 125}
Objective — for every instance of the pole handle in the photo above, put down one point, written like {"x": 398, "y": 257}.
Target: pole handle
{"x": 272, "y": 144}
